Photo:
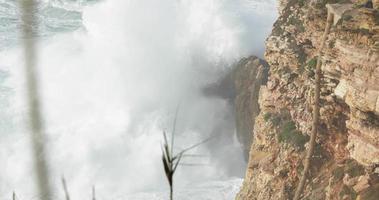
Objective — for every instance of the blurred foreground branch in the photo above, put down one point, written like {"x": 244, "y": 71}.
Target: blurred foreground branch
{"x": 28, "y": 8}
{"x": 65, "y": 190}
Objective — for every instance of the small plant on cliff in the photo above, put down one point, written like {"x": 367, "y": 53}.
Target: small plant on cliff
{"x": 312, "y": 64}
{"x": 275, "y": 119}
{"x": 267, "y": 116}
{"x": 346, "y": 17}
{"x": 297, "y": 23}
{"x": 310, "y": 67}
{"x": 338, "y": 174}
{"x": 291, "y": 135}
{"x": 353, "y": 168}
{"x": 346, "y": 191}
{"x": 302, "y": 3}
{"x": 350, "y": 168}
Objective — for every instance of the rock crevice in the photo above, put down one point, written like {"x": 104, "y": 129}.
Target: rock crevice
{"x": 348, "y": 139}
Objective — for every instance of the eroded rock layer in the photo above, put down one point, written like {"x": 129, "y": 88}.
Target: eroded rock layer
{"x": 345, "y": 164}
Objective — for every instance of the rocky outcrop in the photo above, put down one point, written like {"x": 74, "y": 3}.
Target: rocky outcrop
{"x": 241, "y": 88}
{"x": 345, "y": 164}
{"x": 248, "y": 76}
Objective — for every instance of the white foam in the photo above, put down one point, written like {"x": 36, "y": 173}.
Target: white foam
{"x": 110, "y": 88}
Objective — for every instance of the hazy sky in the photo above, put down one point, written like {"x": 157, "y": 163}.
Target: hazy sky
{"x": 110, "y": 88}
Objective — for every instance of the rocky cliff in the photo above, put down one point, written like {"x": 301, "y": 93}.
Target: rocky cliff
{"x": 240, "y": 87}
{"x": 248, "y": 76}
{"x": 345, "y": 164}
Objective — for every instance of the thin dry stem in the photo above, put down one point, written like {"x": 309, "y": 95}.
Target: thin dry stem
{"x": 316, "y": 111}
{"x": 35, "y": 117}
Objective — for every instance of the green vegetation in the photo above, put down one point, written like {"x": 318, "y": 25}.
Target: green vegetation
{"x": 300, "y": 168}
{"x": 354, "y": 169}
{"x": 332, "y": 44}
{"x": 302, "y": 3}
{"x": 372, "y": 119}
{"x": 297, "y": 23}
{"x": 283, "y": 70}
{"x": 312, "y": 63}
{"x": 338, "y": 174}
{"x": 319, "y": 152}
{"x": 351, "y": 167}
{"x": 274, "y": 119}
{"x": 376, "y": 14}
{"x": 302, "y": 56}
{"x": 349, "y": 192}
{"x": 364, "y": 31}
{"x": 289, "y": 134}
{"x": 277, "y": 30}
{"x": 309, "y": 67}
{"x": 347, "y": 17}
{"x": 267, "y": 116}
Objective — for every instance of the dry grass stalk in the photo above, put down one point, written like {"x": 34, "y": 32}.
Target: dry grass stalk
{"x": 29, "y": 21}
{"x": 171, "y": 161}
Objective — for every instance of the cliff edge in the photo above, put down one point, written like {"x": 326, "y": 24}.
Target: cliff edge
{"x": 345, "y": 164}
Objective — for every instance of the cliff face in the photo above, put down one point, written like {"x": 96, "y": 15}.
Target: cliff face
{"x": 248, "y": 76}
{"x": 345, "y": 164}
{"x": 240, "y": 87}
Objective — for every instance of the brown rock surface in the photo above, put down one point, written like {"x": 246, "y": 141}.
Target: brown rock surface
{"x": 348, "y": 139}
{"x": 241, "y": 88}
{"x": 248, "y": 76}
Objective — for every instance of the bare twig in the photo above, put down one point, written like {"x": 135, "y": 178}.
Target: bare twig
{"x": 195, "y": 145}
{"x": 195, "y": 156}
{"x": 174, "y": 129}
{"x": 193, "y": 164}
{"x": 14, "y": 196}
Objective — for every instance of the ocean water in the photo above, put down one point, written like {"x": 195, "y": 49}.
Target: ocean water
{"x": 112, "y": 73}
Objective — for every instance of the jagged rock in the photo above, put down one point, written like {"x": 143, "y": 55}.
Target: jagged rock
{"x": 338, "y": 10}
{"x": 248, "y": 76}
{"x": 350, "y": 181}
{"x": 362, "y": 184}
{"x": 348, "y": 137}
{"x": 376, "y": 4}
{"x": 241, "y": 88}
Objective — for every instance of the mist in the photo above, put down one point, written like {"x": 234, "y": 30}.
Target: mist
{"x": 110, "y": 87}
